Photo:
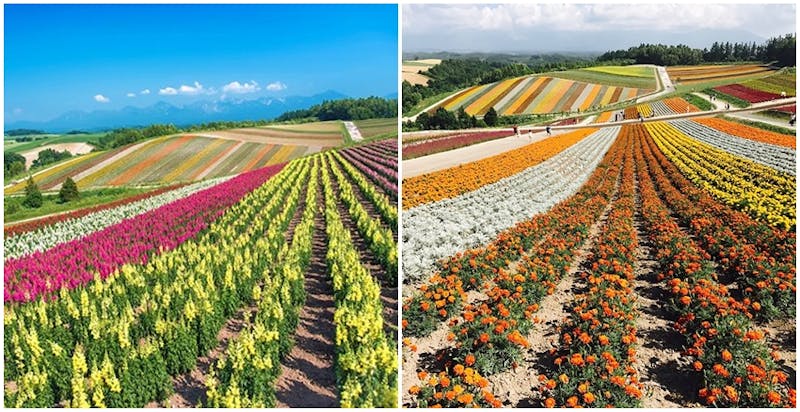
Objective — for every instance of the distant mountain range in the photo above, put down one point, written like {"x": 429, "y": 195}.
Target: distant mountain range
{"x": 198, "y": 112}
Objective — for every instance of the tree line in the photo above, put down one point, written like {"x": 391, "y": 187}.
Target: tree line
{"x": 342, "y": 109}
{"x": 781, "y": 49}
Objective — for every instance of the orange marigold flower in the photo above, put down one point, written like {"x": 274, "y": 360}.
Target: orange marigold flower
{"x": 603, "y": 340}
{"x": 484, "y": 337}
{"x": 550, "y": 403}
{"x": 697, "y": 366}
{"x": 465, "y": 398}
{"x": 458, "y": 369}
{"x": 576, "y": 359}
{"x": 773, "y": 397}
{"x": 572, "y": 401}
{"x": 444, "y": 381}
{"x": 469, "y": 360}
{"x": 422, "y": 375}
{"x": 551, "y": 384}
{"x": 413, "y": 390}
{"x": 450, "y": 395}
{"x": 588, "y": 397}
{"x": 425, "y": 306}
{"x": 726, "y": 355}
{"x": 563, "y": 378}
{"x": 685, "y": 300}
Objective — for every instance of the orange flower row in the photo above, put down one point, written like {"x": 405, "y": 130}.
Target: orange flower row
{"x": 737, "y": 367}
{"x": 465, "y": 178}
{"x": 679, "y": 105}
{"x": 748, "y": 132}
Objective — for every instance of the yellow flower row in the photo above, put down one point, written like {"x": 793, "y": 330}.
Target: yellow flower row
{"x": 760, "y": 191}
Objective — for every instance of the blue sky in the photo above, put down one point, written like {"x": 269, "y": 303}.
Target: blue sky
{"x": 60, "y": 58}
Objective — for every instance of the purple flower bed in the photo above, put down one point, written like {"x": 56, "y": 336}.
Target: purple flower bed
{"x": 134, "y": 240}
{"x": 381, "y": 175}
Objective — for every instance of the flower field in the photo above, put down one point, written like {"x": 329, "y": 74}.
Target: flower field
{"x": 745, "y": 93}
{"x": 250, "y": 291}
{"x": 783, "y": 81}
{"x": 647, "y": 265}
{"x": 443, "y": 144}
{"x": 699, "y": 74}
{"x": 538, "y": 94}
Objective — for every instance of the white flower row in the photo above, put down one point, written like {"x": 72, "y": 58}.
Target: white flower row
{"x": 68, "y": 230}
{"x": 777, "y": 157}
{"x": 437, "y": 230}
{"x": 661, "y": 109}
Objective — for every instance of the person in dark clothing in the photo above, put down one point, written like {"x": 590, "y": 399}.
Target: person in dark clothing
{"x": 547, "y": 129}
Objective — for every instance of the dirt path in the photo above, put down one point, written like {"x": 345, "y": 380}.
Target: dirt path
{"x": 659, "y": 361}
{"x": 307, "y": 378}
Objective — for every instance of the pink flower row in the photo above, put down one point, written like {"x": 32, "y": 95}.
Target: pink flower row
{"x": 451, "y": 142}
{"x": 133, "y": 240}
{"x": 381, "y": 175}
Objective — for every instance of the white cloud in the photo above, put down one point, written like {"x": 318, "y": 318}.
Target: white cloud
{"x": 131, "y": 94}
{"x": 241, "y": 88}
{"x": 145, "y": 91}
{"x": 276, "y": 86}
{"x": 102, "y": 99}
{"x": 191, "y": 90}
{"x": 167, "y": 91}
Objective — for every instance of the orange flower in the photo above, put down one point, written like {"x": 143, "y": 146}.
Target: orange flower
{"x": 444, "y": 381}
{"x": 450, "y": 395}
{"x": 484, "y": 337}
{"x": 588, "y": 397}
{"x": 726, "y": 356}
{"x": 603, "y": 340}
{"x": 576, "y": 359}
{"x": 470, "y": 360}
{"x": 465, "y": 398}
{"x": 425, "y": 306}
{"x": 773, "y": 397}
{"x": 422, "y": 375}
{"x": 551, "y": 384}
{"x": 685, "y": 300}
{"x": 550, "y": 403}
{"x": 697, "y": 366}
{"x": 572, "y": 401}
{"x": 413, "y": 390}
{"x": 563, "y": 378}
{"x": 458, "y": 370}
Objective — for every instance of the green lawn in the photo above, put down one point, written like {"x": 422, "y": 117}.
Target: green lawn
{"x": 19, "y": 147}
{"x": 377, "y": 127}
{"x": 427, "y": 102}
{"x": 52, "y": 205}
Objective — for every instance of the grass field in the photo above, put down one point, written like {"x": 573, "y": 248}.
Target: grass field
{"x": 327, "y": 127}
{"x": 52, "y": 205}
{"x": 373, "y": 128}
{"x": 784, "y": 81}
{"x": 18, "y": 147}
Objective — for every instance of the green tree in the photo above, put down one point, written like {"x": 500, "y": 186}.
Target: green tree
{"x": 490, "y": 117}
{"x": 69, "y": 191}
{"x": 33, "y": 197}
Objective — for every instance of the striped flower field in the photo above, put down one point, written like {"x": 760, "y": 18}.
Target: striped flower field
{"x": 538, "y": 94}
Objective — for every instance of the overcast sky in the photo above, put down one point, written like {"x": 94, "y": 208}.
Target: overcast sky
{"x": 587, "y": 27}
